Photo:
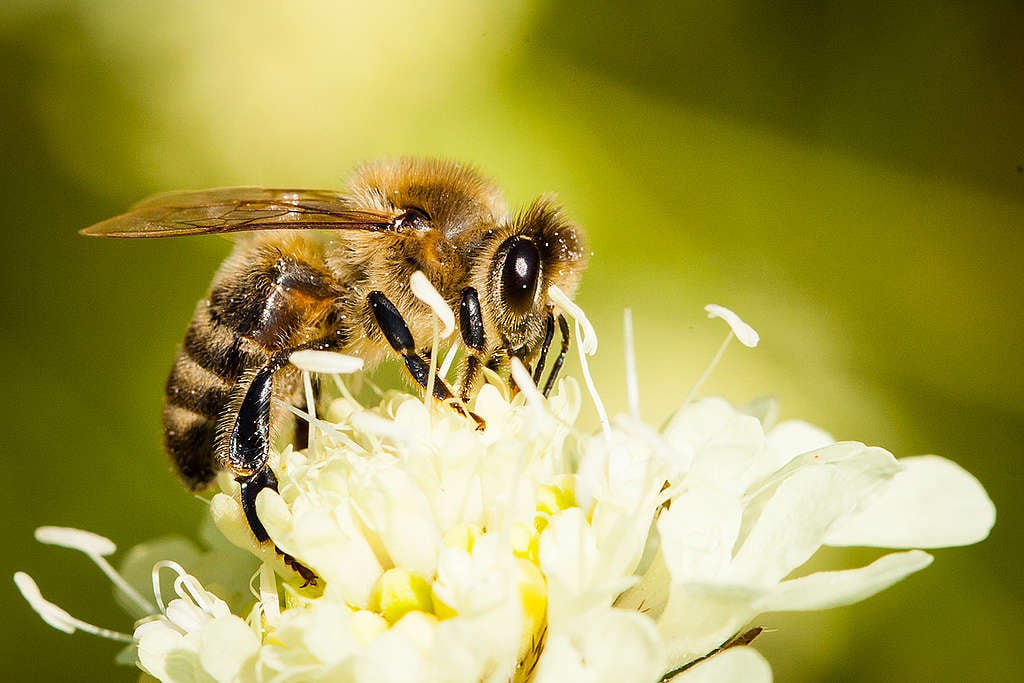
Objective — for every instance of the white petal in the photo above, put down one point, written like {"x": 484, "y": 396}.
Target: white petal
{"x": 735, "y": 665}
{"x": 568, "y": 549}
{"x": 816, "y": 489}
{"x": 747, "y": 335}
{"x": 698, "y": 532}
{"x": 932, "y": 503}
{"x": 394, "y": 657}
{"x": 724, "y": 443}
{"x": 581, "y": 575}
{"x": 391, "y": 505}
{"x": 650, "y": 595}
{"x": 789, "y": 439}
{"x": 181, "y": 665}
{"x": 225, "y": 645}
{"x": 185, "y": 614}
{"x": 700, "y": 617}
{"x": 156, "y": 642}
{"x": 328, "y": 543}
{"x": 604, "y": 646}
{"x": 834, "y": 589}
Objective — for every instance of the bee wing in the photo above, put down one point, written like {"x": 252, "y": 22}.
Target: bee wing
{"x": 238, "y": 209}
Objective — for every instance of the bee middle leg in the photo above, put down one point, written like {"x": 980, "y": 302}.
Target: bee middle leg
{"x": 471, "y": 326}
{"x": 398, "y": 335}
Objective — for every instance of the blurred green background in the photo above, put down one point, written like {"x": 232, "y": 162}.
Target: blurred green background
{"x": 849, "y": 179}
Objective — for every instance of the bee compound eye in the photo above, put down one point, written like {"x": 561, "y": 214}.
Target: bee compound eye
{"x": 520, "y": 273}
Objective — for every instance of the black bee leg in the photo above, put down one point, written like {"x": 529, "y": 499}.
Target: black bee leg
{"x": 392, "y": 324}
{"x": 250, "y": 435}
{"x": 471, "y": 324}
{"x": 563, "y": 328}
{"x": 549, "y": 334}
{"x": 249, "y": 445}
{"x": 251, "y": 486}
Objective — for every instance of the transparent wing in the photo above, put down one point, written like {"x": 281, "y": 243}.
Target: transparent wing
{"x": 238, "y": 209}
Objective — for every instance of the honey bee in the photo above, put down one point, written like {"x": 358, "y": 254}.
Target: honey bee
{"x": 316, "y": 269}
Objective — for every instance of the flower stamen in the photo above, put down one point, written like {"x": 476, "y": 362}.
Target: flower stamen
{"x": 573, "y": 310}
{"x": 525, "y": 383}
{"x": 428, "y": 294}
{"x": 57, "y": 617}
{"x": 95, "y": 547}
{"x": 632, "y": 383}
{"x": 747, "y": 335}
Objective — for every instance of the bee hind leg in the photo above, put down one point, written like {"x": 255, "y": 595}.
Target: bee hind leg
{"x": 249, "y": 446}
{"x": 250, "y": 488}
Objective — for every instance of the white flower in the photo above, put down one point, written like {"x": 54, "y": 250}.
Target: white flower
{"x": 196, "y": 637}
{"x": 530, "y": 552}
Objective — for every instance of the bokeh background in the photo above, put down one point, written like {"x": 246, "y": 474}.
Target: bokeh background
{"x": 849, "y": 178}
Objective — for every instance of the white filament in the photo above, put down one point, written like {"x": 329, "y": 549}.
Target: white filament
{"x": 325, "y": 362}
{"x": 602, "y": 415}
{"x": 57, "y": 617}
{"x": 632, "y": 383}
{"x": 95, "y": 547}
{"x": 449, "y": 358}
{"x": 747, "y": 335}
{"x": 588, "y": 343}
{"x": 525, "y": 383}
{"x": 711, "y": 366}
{"x": 186, "y": 586}
{"x": 432, "y": 368}
{"x": 269, "y": 597}
{"x": 426, "y": 293}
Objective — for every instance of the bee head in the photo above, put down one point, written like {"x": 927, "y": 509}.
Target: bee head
{"x": 537, "y": 248}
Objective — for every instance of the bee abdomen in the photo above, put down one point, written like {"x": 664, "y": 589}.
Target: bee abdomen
{"x": 213, "y": 346}
{"x": 198, "y": 391}
{"x": 193, "y": 387}
{"x": 189, "y": 439}
{"x": 194, "y": 398}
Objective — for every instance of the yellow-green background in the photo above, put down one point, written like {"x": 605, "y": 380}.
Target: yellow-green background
{"x": 849, "y": 179}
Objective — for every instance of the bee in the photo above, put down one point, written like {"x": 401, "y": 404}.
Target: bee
{"x": 326, "y": 270}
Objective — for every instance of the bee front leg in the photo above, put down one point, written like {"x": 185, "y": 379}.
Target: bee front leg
{"x": 563, "y": 328}
{"x": 397, "y": 333}
{"x": 549, "y": 334}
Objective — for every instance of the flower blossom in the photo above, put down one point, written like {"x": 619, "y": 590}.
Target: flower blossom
{"x": 531, "y": 552}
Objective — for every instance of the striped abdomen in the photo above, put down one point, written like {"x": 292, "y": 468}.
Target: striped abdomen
{"x": 267, "y": 298}
{"x": 199, "y": 390}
